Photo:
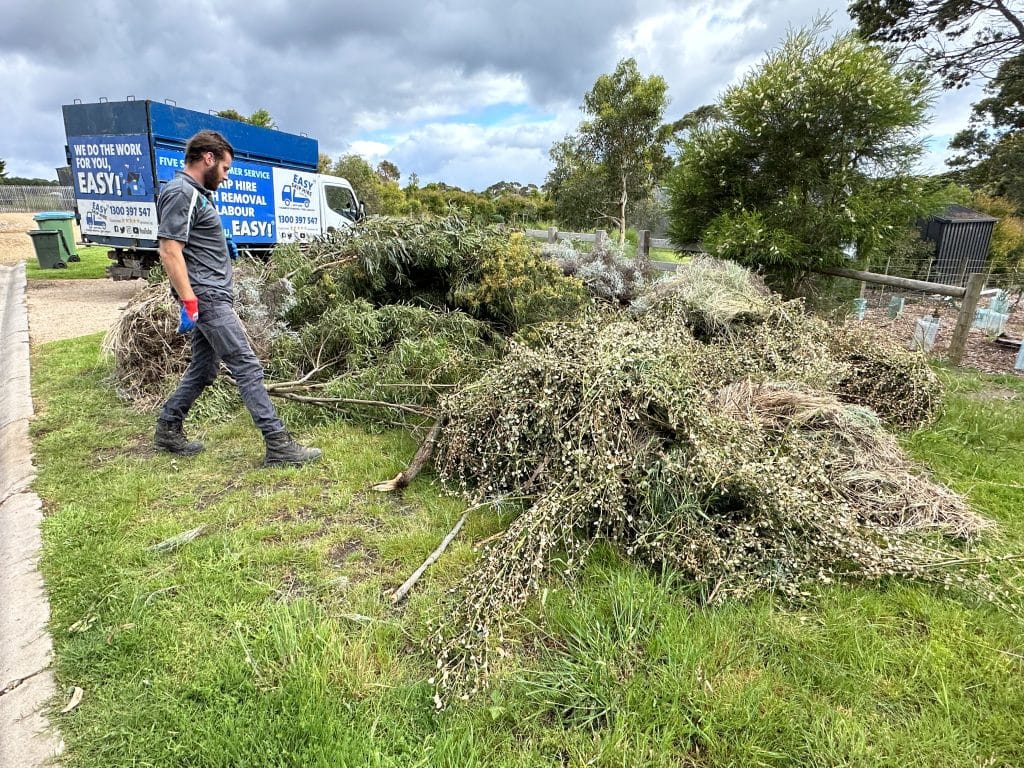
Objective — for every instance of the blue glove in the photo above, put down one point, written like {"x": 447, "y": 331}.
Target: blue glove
{"x": 189, "y": 315}
{"x": 232, "y": 248}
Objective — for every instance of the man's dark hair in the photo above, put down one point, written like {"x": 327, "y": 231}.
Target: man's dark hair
{"x": 207, "y": 141}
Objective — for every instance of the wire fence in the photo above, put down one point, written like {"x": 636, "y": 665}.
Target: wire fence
{"x": 32, "y": 199}
{"x": 925, "y": 319}
{"x": 1004, "y": 285}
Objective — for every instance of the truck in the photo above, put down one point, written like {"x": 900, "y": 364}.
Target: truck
{"x": 122, "y": 153}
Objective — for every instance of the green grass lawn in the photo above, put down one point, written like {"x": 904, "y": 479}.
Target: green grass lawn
{"x": 667, "y": 254}
{"x": 269, "y": 640}
{"x": 93, "y": 264}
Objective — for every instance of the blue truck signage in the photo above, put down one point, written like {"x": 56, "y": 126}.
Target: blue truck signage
{"x": 245, "y": 200}
{"x": 113, "y": 178}
{"x": 121, "y": 153}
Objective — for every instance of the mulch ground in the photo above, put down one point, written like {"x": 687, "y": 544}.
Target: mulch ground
{"x": 982, "y": 352}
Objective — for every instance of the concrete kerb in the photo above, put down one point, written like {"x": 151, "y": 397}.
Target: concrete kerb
{"x": 26, "y": 681}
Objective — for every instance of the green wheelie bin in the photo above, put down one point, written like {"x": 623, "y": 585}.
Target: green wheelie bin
{"x": 62, "y": 221}
{"x": 49, "y": 247}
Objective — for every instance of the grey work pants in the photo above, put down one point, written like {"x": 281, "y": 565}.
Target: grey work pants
{"x": 218, "y": 335}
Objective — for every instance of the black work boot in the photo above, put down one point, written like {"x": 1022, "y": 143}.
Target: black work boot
{"x": 171, "y": 438}
{"x": 282, "y": 449}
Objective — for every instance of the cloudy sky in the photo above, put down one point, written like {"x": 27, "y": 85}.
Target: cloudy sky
{"x": 469, "y": 92}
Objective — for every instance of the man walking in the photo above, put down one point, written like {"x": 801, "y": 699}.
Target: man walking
{"x": 197, "y": 258}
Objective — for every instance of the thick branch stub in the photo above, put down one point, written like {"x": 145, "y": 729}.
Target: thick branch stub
{"x": 426, "y": 450}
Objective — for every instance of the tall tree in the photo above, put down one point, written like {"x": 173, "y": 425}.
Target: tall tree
{"x": 619, "y": 151}
{"x": 262, "y": 118}
{"x": 625, "y": 133}
{"x": 992, "y": 146}
{"x": 958, "y": 39}
{"x": 3, "y": 169}
{"x": 232, "y": 114}
{"x": 809, "y": 156}
{"x": 388, "y": 171}
{"x": 576, "y": 184}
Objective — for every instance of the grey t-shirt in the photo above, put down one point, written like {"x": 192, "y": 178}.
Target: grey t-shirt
{"x": 185, "y": 212}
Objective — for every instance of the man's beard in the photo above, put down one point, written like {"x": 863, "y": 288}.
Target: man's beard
{"x": 211, "y": 178}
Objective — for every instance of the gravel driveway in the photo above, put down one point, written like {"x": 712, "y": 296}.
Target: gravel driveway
{"x": 61, "y": 309}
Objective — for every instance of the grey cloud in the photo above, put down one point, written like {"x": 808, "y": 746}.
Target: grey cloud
{"x": 555, "y": 47}
{"x": 320, "y": 66}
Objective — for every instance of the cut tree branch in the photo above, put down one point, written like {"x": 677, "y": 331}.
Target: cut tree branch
{"x": 426, "y": 450}
{"x": 403, "y": 590}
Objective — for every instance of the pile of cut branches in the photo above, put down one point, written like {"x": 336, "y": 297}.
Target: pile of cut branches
{"x": 150, "y": 356}
{"x": 710, "y": 427}
{"x": 708, "y": 435}
{"x": 605, "y": 269}
{"x": 392, "y": 312}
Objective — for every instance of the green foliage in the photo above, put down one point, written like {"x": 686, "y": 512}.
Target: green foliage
{"x": 958, "y": 40}
{"x": 401, "y": 309}
{"x": 503, "y": 188}
{"x": 604, "y": 269}
{"x": 364, "y": 180}
{"x": 444, "y": 263}
{"x": 992, "y": 158}
{"x": 516, "y": 287}
{"x": 619, "y": 152}
{"x": 388, "y": 171}
{"x": 962, "y": 41}
{"x": 519, "y": 209}
{"x": 380, "y": 191}
{"x": 576, "y": 185}
{"x": 1006, "y": 250}
{"x": 701, "y": 439}
{"x": 393, "y": 353}
{"x": 261, "y": 117}
{"x": 3, "y": 170}
{"x": 811, "y": 155}
{"x": 744, "y": 236}
{"x": 24, "y": 181}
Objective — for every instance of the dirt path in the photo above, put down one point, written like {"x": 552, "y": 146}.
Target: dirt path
{"x": 15, "y": 245}
{"x": 64, "y": 309}
{"x": 61, "y": 309}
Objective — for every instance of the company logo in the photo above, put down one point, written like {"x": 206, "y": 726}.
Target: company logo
{"x": 298, "y": 194}
{"x": 96, "y": 217}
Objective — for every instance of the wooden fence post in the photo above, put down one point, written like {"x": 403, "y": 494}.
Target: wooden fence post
{"x": 552, "y": 234}
{"x": 643, "y": 245}
{"x": 965, "y": 319}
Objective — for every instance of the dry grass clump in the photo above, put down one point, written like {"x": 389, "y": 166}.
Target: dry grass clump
{"x": 724, "y": 304}
{"x": 150, "y": 356}
{"x": 147, "y": 351}
{"x": 709, "y": 295}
